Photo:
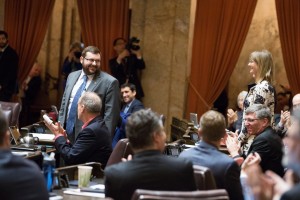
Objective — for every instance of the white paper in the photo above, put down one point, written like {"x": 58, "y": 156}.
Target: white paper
{"x": 79, "y": 193}
{"x": 43, "y": 136}
{"x": 98, "y": 186}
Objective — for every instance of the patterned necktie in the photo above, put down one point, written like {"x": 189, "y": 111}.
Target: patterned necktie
{"x": 73, "y": 110}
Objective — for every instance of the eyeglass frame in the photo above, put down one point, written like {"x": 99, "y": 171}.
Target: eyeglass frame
{"x": 250, "y": 120}
{"x": 92, "y": 60}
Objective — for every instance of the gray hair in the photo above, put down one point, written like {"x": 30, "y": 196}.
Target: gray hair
{"x": 242, "y": 94}
{"x": 140, "y": 127}
{"x": 91, "y": 101}
{"x": 260, "y": 110}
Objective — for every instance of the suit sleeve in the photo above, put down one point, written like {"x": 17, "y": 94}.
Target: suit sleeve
{"x": 233, "y": 184}
{"x": 140, "y": 64}
{"x": 261, "y": 147}
{"x": 115, "y": 67}
{"x": 137, "y": 107}
{"x": 77, "y": 153}
{"x": 112, "y": 106}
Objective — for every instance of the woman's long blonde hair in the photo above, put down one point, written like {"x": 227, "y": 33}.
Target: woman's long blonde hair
{"x": 264, "y": 60}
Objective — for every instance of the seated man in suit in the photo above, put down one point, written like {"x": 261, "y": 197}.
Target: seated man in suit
{"x": 93, "y": 143}
{"x": 269, "y": 184}
{"x": 19, "y": 178}
{"x": 149, "y": 168}
{"x": 266, "y": 142}
{"x": 225, "y": 170}
{"x": 131, "y": 105}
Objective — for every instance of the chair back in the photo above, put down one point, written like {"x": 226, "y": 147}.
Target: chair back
{"x": 121, "y": 150}
{"x": 220, "y": 194}
{"x": 204, "y": 178}
{"x": 12, "y": 112}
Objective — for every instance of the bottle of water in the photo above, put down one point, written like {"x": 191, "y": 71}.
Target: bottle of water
{"x": 48, "y": 169}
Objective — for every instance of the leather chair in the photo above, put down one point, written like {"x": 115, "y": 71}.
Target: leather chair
{"x": 220, "y": 194}
{"x": 121, "y": 150}
{"x": 204, "y": 178}
{"x": 12, "y": 112}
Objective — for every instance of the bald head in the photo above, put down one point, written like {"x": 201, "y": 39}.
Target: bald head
{"x": 296, "y": 100}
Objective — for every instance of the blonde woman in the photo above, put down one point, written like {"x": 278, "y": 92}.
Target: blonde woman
{"x": 262, "y": 92}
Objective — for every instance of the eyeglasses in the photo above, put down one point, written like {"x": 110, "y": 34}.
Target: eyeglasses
{"x": 250, "y": 120}
{"x": 92, "y": 60}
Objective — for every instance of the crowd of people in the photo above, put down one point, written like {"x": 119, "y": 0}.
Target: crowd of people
{"x": 99, "y": 109}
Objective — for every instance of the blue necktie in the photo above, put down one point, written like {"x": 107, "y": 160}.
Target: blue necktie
{"x": 126, "y": 108}
{"x": 73, "y": 110}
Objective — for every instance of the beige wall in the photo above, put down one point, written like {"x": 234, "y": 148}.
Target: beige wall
{"x": 163, "y": 27}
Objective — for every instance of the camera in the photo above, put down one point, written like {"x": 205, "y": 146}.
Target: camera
{"x": 132, "y": 44}
{"x": 77, "y": 54}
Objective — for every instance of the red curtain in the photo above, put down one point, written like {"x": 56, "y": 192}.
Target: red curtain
{"x": 102, "y": 21}
{"x": 288, "y": 14}
{"x": 26, "y": 23}
{"x": 220, "y": 30}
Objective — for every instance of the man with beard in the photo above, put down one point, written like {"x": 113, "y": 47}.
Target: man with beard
{"x": 9, "y": 68}
{"x": 90, "y": 78}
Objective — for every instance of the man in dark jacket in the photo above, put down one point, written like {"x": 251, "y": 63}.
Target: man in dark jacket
{"x": 93, "y": 143}
{"x": 9, "y": 61}
{"x": 127, "y": 64}
{"x": 19, "y": 178}
{"x": 263, "y": 139}
{"x": 149, "y": 169}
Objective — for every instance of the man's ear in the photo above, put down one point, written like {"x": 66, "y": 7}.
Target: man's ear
{"x": 156, "y": 136}
{"x": 265, "y": 122}
{"x": 134, "y": 92}
{"x": 200, "y": 132}
{"x": 81, "y": 59}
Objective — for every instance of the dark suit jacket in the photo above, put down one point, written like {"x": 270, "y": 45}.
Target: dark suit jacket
{"x": 9, "y": 61}
{"x": 269, "y": 146}
{"x": 136, "y": 105}
{"x": 148, "y": 170}
{"x": 292, "y": 194}
{"x": 93, "y": 144}
{"x": 107, "y": 87}
{"x": 128, "y": 69}
{"x": 225, "y": 170}
{"x": 20, "y": 178}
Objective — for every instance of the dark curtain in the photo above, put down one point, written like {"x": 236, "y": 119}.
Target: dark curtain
{"x": 288, "y": 14}
{"x": 26, "y": 23}
{"x": 102, "y": 21}
{"x": 220, "y": 30}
